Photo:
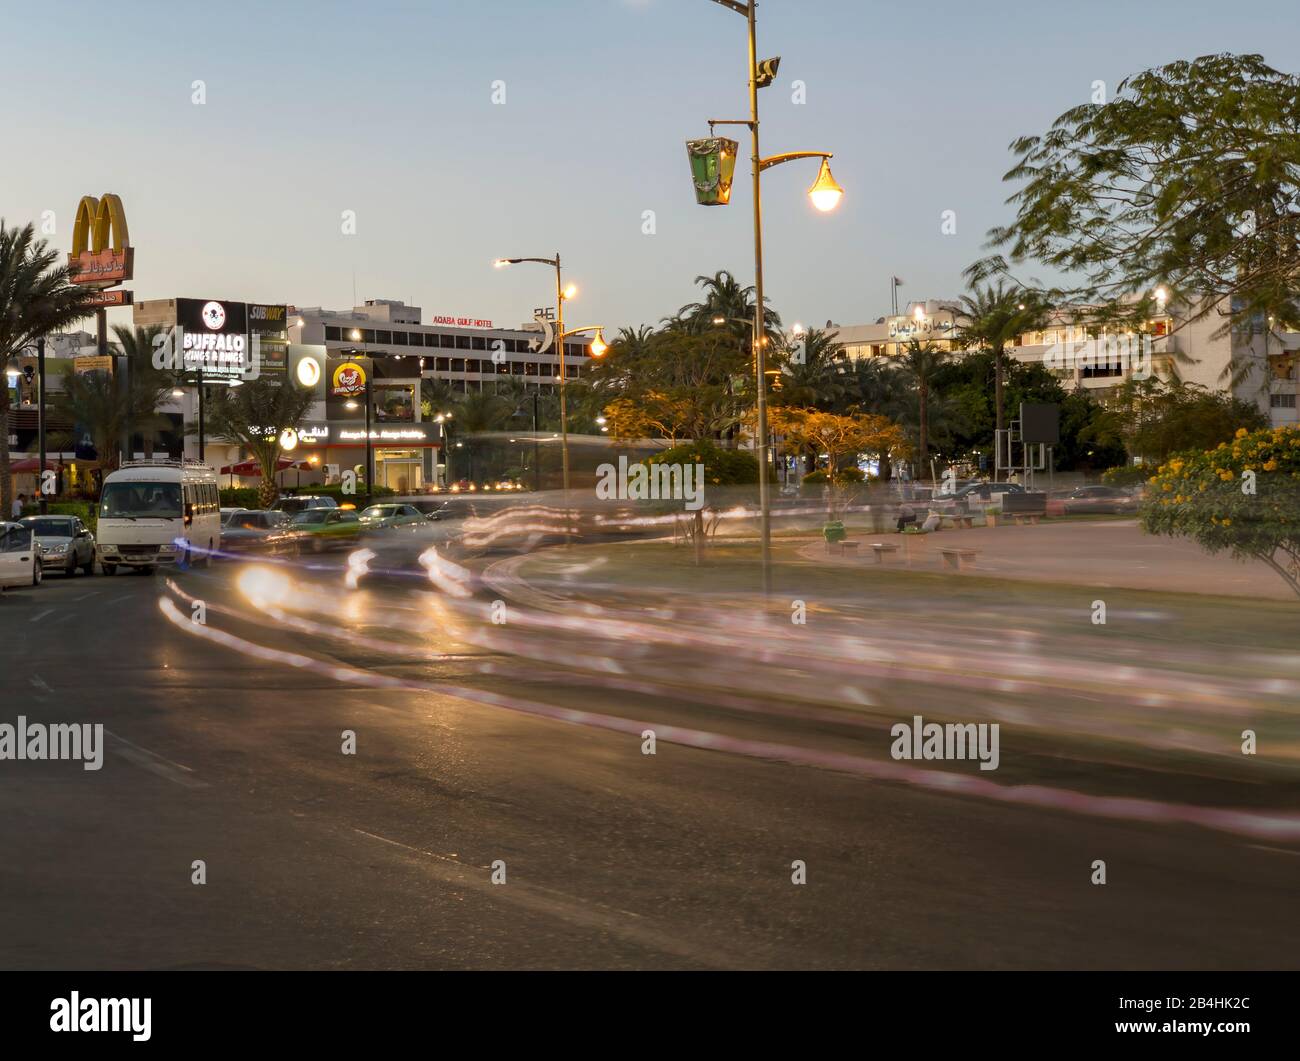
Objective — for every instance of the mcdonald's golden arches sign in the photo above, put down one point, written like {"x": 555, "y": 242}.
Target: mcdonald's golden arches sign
{"x": 102, "y": 255}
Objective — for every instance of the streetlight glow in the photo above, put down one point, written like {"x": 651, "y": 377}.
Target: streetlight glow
{"x": 570, "y": 291}
{"x": 598, "y": 345}
{"x": 825, "y": 193}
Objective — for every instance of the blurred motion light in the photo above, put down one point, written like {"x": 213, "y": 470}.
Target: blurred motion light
{"x": 263, "y": 586}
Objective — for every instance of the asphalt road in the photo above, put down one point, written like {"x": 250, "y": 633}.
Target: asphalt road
{"x": 226, "y": 752}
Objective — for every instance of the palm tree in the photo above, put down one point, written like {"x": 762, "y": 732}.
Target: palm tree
{"x": 148, "y": 384}
{"x": 255, "y": 415}
{"x": 36, "y": 298}
{"x": 725, "y": 300}
{"x": 108, "y": 412}
{"x": 821, "y": 379}
{"x": 920, "y": 364}
{"x": 994, "y": 316}
{"x": 439, "y": 395}
{"x": 876, "y": 385}
{"x": 479, "y": 412}
{"x": 516, "y": 398}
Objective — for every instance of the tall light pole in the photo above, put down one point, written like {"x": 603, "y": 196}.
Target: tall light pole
{"x": 562, "y": 295}
{"x": 358, "y": 337}
{"x": 825, "y": 195}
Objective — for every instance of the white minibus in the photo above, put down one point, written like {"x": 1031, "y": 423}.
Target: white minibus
{"x": 158, "y": 512}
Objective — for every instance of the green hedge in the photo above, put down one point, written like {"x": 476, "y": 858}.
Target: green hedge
{"x": 88, "y": 511}
{"x": 844, "y": 475}
{"x": 239, "y": 497}
{"x": 722, "y": 467}
{"x": 246, "y": 496}
{"x": 335, "y": 490}
{"x": 1128, "y": 475}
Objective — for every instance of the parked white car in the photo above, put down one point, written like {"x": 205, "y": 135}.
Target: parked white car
{"x": 20, "y": 563}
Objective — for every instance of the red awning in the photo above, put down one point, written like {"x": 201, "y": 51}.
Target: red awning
{"x": 251, "y": 468}
{"x": 31, "y": 464}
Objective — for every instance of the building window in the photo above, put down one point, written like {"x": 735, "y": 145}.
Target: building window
{"x": 462, "y": 342}
{"x": 478, "y": 343}
{"x": 441, "y": 365}
{"x": 333, "y": 333}
{"x": 1281, "y": 401}
{"x": 399, "y": 339}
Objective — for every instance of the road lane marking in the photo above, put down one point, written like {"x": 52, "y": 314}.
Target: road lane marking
{"x": 627, "y": 925}
{"x": 1275, "y": 850}
{"x": 155, "y": 763}
{"x": 40, "y": 683}
{"x": 85, "y": 596}
{"x": 41, "y": 615}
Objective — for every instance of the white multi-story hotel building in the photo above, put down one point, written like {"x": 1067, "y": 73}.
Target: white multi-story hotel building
{"x": 1260, "y": 368}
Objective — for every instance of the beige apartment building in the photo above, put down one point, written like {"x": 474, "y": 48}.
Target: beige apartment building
{"x": 1260, "y": 368}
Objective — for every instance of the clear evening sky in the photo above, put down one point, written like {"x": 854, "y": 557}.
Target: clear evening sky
{"x": 386, "y": 109}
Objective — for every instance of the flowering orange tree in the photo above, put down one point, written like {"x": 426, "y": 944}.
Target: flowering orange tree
{"x": 1242, "y": 497}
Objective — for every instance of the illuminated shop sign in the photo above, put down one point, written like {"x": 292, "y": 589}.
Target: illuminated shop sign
{"x": 317, "y": 433}
{"x": 461, "y": 322}
{"x": 383, "y": 434}
{"x": 214, "y": 336}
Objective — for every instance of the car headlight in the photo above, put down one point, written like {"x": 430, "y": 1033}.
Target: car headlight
{"x": 53, "y": 550}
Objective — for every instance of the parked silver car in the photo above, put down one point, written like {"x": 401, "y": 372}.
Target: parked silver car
{"x": 63, "y": 543}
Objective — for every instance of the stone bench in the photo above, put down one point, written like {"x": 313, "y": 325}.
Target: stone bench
{"x": 959, "y": 520}
{"x": 1022, "y": 518}
{"x": 958, "y": 559}
{"x": 883, "y": 549}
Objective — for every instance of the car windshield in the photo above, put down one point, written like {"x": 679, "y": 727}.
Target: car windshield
{"x": 249, "y": 521}
{"x": 232, "y": 517}
{"x": 313, "y": 515}
{"x": 142, "y": 500}
{"x": 50, "y": 528}
{"x": 294, "y": 504}
{"x": 381, "y": 511}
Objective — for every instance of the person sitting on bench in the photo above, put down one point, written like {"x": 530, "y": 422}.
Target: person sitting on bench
{"x": 906, "y": 517}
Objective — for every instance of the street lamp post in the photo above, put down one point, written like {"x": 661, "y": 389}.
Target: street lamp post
{"x": 825, "y": 195}
{"x": 562, "y": 295}
{"x": 199, "y": 394}
{"x": 370, "y": 463}
{"x": 357, "y": 336}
